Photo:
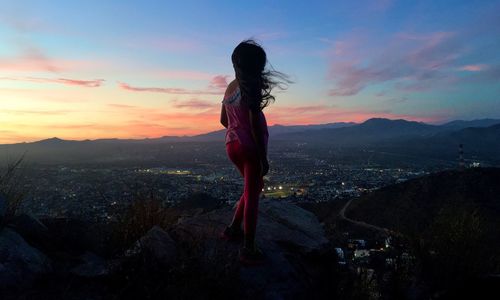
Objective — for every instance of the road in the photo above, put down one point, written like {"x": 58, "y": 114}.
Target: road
{"x": 360, "y": 223}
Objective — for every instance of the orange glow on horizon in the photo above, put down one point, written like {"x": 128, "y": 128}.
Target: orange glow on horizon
{"x": 156, "y": 124}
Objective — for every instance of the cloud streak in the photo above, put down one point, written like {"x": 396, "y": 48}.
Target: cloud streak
{"x": 195, "y": 104}
{"x": 473, "y": 68}
{"x": 173, "y": 91}
{"x": 65, "y": 81}
{"x": 410, "y": 59}
{"x": 216, "y": 87}
{"x": 219, "y": 82}
{"x": 414, "y": 61}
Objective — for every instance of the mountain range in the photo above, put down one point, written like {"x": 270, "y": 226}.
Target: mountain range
{"x": 481, "y": 140}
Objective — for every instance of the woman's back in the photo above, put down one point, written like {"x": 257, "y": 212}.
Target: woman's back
{"x": 238, "y": 116}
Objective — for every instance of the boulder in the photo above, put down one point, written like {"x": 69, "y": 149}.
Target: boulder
{"x": 91, "y": 265}
{"x": 20, "y": 263}
{"x": 157, "y": 248}
{"x": 33, "y": 231}
{"x": 285, "y": 232}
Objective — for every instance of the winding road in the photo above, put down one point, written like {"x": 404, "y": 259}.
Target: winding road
{"x": 360, "y": 223}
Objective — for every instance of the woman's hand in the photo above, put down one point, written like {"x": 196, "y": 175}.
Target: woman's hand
{"x": 264, "y": 167}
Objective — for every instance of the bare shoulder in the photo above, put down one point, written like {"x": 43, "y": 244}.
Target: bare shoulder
{"x": 231, "y": 88}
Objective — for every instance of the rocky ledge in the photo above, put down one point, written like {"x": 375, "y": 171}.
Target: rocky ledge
{"x": 293, "y": 240}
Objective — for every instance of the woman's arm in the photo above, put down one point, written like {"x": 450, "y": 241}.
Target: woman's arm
{"x": 223, "y": 116}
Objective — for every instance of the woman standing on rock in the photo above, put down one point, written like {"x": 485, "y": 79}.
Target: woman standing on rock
{"x": 246, "y": 138}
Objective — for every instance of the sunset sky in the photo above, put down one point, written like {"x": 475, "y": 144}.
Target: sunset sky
{"x": 135, "y": 69}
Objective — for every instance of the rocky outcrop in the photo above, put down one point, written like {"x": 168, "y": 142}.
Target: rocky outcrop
{"x": 20, "y": 263}
{"x": 33, "y": 231}
{"x": 170, "y": 261}
{"x": 285, "y": 232}
{"x": 91, "y": 266}
{"x": 156, "y": 247}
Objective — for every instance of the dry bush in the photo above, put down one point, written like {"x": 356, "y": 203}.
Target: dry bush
{"x": 11, "y": 189}
{"x": 455, "y": 252}
{"x": 203, "y": 269}
{"x": 145, "y": 212}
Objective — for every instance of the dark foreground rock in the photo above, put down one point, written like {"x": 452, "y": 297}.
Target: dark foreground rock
{"x": 91, "y": 265}
{"x": 20, "y": 263}
{"x": 286, "y": 233}
{"x": 33, "y": 231}
{"x": 53, "y": 259}
{"x": 157, "y": 248}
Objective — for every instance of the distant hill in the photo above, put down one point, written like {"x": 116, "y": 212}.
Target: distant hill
{"x": 274, "y": 130}
{"x": 390, "y": 140}
{"x": 479, "y": 143}
{"x": 368, "y": 132}
{"x": 461, "y": 124}
{"x": 376, "y": 130}
{"x": 412, "y": 206}
{"x": 412, "y": 139}
{"x": 171, "y": 150}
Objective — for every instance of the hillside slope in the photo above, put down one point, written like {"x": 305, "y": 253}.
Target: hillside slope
{"x": 412, "y": 205}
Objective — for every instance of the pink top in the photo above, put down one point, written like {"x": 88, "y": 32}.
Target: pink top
{"x": 239, "y": 121}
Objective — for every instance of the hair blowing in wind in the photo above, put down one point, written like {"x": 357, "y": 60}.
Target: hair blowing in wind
{"x": 255, "y": 80}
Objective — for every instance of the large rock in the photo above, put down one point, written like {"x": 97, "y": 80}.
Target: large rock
{"x": 91, "y": 266}
{"x": 33, "y": 231}
{"x": 20, "y": 263}
{"x": 157, "y": 248}
{"x": 285, "y": 232}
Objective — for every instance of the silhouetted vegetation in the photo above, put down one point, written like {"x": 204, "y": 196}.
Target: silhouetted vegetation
{"x": 11, "y": 190}
{"x": 145, "y": 212}
{"x": 450, "y": 221}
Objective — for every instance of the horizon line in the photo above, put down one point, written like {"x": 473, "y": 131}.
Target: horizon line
{"x": 207, "y": 132}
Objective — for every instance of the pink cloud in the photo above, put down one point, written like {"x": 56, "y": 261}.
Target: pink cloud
{"x": 192, "y": 104}
{"x": 175, "y": 91}
{"x": 472, "y": 68}
{"x": 65, "y": 81}
{"x": 33, "y": 59}
{"x": 215, "y": 87}
{"x": 422, "y": 60}
{"x": 219, "y": 82}
{"x": 85, "y": 83}
{"x": 30, "y": 59}
{"x": 195, "y": 104}
{"x": 122, "y": 106}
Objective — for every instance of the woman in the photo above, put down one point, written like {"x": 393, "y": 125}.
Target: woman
{"x": 246, "y": 138}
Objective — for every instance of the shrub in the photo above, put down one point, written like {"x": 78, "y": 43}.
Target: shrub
{"x": 145, "y": 212}
{"x": 11, "y": 189}
{"x": 456, "y": 250}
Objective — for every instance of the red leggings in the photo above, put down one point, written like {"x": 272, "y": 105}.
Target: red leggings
{"x": 246, "y": 160}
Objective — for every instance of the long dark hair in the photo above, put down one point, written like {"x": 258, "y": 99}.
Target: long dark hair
{"x": 255, "y": 80}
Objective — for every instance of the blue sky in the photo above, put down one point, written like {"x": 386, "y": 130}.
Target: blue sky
{"x": 92, "y": 69}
